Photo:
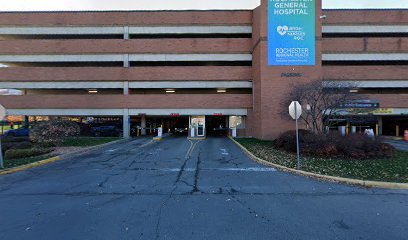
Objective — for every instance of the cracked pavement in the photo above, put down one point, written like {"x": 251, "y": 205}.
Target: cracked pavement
{"x": 181, "y": 189}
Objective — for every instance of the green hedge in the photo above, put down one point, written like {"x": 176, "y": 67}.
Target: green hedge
{"x": 15, "y": 145}
{"x": 25, "y": 153}
{"x": 14, "y": 139}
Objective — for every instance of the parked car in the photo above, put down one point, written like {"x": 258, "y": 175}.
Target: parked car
{"x": 21, "y": 132}
{"x": 180, "y": 131}
{"x": 106, "y": 131}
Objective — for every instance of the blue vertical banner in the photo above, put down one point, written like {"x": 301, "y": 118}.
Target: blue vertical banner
{"x": 291, "y": 33}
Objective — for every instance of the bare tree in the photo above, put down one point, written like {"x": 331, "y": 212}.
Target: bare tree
{"x": 323, "y": 102}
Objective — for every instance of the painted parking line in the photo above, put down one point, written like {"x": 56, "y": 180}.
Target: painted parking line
{"x": 111, "y": 150}
{"x": 146, "y": 144}
{"x": 254, "y": 169}
{"x": 176, "y": 169}
{"x": 224, "y": 151}
{"x": 193, "y": 144}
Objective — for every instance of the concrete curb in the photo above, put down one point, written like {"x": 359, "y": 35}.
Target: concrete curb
{"x": 350, "y": 181}
{"x": 56, "y": 158}
{"x": 30, "y": 165}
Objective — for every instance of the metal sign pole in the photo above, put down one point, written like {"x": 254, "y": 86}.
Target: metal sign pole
{"x": 3, "y": 114}
{"x": 1, "y": 155}
{"x": 297, "y": 140}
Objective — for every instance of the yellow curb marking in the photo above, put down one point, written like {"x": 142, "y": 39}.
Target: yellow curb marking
{"x": 373, "y": 184}
{"x": 50, "y": 160}
{"x": 30, "y": 165}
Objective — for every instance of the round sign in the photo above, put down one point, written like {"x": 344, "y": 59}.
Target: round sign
{"x": 295, "y": 110}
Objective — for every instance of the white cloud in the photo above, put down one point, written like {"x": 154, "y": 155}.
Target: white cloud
{"x": 44, "y": 5}
{"x": 24, "y": 5}
{"x": 365, "y": 4}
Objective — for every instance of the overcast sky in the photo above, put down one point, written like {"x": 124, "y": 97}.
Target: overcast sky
{"x": 41, "y": 5}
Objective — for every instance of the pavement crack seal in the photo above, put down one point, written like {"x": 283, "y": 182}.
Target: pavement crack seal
{"x": 197, "y": 173}
{"x": 219, "y": 192}
{"x": 186, "y": 158}
{"x": 159, "y": 214}
{"x": 232, "y": 193}
{"x": 103, "y": 182}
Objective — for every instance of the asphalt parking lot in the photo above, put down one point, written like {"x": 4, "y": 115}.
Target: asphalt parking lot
{"x": 181, "y": 189}
{"x": 398, "y": 144}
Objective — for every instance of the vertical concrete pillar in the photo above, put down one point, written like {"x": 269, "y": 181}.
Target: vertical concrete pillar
{"x": 126, "y": 63}
{"x": 26, "y": 121}
{"x": 125, "y": 88}
{"x": 126, "y": 123}
{"x": 348, "y": 128}
{"x": 397, "y": 129}
{"x": 380, "y": 126}
{"x": 126, "y": 32}
{"x": 342, "y": 130}
{"x": 143, "y": 125}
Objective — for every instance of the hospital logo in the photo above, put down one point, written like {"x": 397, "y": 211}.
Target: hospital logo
{"x": 282, "y": 30}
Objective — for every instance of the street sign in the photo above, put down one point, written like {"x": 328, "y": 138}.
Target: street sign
{"x": 361, "y": 104}
{"x": 295, "y": 110}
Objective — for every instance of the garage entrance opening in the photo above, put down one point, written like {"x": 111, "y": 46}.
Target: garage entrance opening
{"x": 217, "y": 125}
{"x": 177, "y": 125}
{"x": 394, "y": 125}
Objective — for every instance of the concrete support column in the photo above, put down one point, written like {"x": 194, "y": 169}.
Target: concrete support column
{"x": 348, "y": 128}
{"x": 342, "y": 130}
{"x": 26, "y": 121}
{"x": 143, "y": 125}
{"x": 380, "y": 126}
{"x": 126, "y": 123}
{"x": 125, "y": 88}
{"x": 126, "y": 63}
{"x": 126, "y": 32}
